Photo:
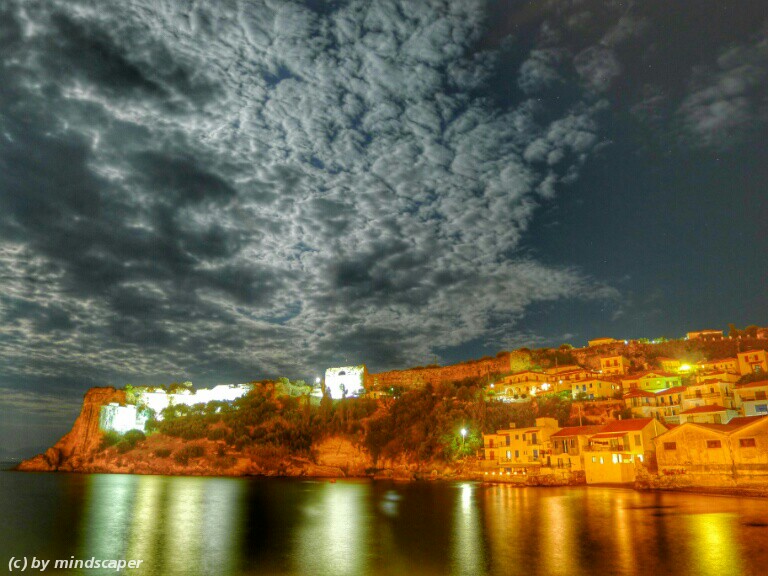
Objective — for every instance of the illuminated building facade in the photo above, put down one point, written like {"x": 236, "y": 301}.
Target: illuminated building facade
{"x": 346, "y": 381}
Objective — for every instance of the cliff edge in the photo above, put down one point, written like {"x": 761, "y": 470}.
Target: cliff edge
{"x": 84, "y": 437}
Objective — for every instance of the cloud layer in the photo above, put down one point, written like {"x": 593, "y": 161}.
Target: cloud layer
{"x": 251, "y": 188}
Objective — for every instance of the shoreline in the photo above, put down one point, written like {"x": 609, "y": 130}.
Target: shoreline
{"x": 727, "y": 491}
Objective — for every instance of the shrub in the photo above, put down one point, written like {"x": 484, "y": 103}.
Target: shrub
{"x": 133, "y": 437}
{"x": 108, "y": 439}
{"x": 162, "y": 452}
{"x": 183, "y": 455}
{"x": 124, "y": 446}
{"x": 217, "y": 434}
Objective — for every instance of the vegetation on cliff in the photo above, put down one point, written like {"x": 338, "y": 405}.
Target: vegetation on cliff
{"x": 418, "y": 426}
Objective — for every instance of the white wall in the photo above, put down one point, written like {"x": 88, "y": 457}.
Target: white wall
{"x": 349, "y": 378}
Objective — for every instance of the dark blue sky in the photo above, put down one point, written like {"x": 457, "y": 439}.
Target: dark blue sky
{"x": 242, "y": 189}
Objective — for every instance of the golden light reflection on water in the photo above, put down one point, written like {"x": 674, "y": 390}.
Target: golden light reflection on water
{"x": 333, "y": 535}
{"x": 714, "y": 545}
{"x": 195, "y": 526}
{"x": 557, "y": 536}
{"x": 468, "y": 554}
{"x": 621, "y": 526}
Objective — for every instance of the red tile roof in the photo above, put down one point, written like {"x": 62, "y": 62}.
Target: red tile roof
{"x": 639, "y": 393}
{"x": 673, "y": 390}
{"x": 705, "y": 409}
{"x": 629, "y": 425}
{"x": 578, "y": 430}
{"x": 602, "y": 435}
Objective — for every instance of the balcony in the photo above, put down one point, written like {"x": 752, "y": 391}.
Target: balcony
{"x": 606, "y": 448}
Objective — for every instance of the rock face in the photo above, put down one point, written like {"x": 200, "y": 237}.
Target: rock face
{"x": 84, "y": 437}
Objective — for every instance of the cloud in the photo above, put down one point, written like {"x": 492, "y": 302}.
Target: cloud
{"x": 247, "y": 189}
{"x": 597, "y": 66}
{"x": 726, "y": 99}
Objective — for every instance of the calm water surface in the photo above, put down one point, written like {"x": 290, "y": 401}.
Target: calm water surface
{"x": 222, "y": 526}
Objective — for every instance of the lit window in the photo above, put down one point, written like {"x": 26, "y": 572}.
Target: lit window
{"x": 602, "y": 461}
{"x": 594, "y": 459}
{"x": 616, "y": 458}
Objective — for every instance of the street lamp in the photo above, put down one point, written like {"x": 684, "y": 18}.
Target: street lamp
{"x": 317, "y": 380}
{"x": 463, "y": 436}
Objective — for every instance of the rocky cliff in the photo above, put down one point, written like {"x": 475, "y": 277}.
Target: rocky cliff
{"x": 68, "y": 453}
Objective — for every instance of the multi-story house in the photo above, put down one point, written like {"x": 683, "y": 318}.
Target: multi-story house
{"x": 594, "y": 389}
{"x": 569, "y": 446}
{"x": 753, "y": 397}
{"x": 610, "y": 365}
{"x": 664, "y": 405}
{"x": 753, "y": 362}
{"x": 730, "y": 365}
{"x": 612, "y": 453}
{"x": 710, "y": 391}
{"x": 652, "y": 380}
{"x": 519, "y": 449}
{"x": 722, "y": 375}
{"x": 518, "y": 385}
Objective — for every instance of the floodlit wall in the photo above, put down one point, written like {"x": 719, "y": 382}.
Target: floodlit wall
{"x": 121, "y": 418}
{"x": 159, "y": 400}
{"x": 345, "y": 381}
{"x": 130, "y": 417}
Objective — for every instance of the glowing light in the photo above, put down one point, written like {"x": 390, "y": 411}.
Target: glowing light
{"x": 317, "y": 380}
{"x": 685, "y": 368}
{"x": 344, "y": 381}
{"x": 464, "y": 432}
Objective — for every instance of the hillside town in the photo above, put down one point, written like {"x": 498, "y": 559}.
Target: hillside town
{"x": 705, "y": 420}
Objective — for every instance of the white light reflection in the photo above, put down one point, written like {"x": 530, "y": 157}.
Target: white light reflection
{"x": 468, "y": 553}
{"x": 333, "y": 536}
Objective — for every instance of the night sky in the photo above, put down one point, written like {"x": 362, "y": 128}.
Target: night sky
{"x": 227, "y": 191}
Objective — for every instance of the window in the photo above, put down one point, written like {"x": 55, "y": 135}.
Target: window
{"x": 670, "y": 445}
{"x": 507, "y": 440}
{"x": 746, "y": 442}
{"x": 490, "y": 445}
{"x": 761, "y": 408}
{"x": 493, "y": 455}
{"x": 638, "y": 440}
{"x": 760, "y": 395}
{"x": 517, "y": 453}
{"x": 509, "y": 454}
{"x": 713, "y": 443}
{"x": 602, "y": 461}
{"x": 594, "y": 459}
{"x": 616, "y": 458}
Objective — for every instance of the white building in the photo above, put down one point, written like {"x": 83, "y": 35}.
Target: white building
{"x": 345, "y": 381}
